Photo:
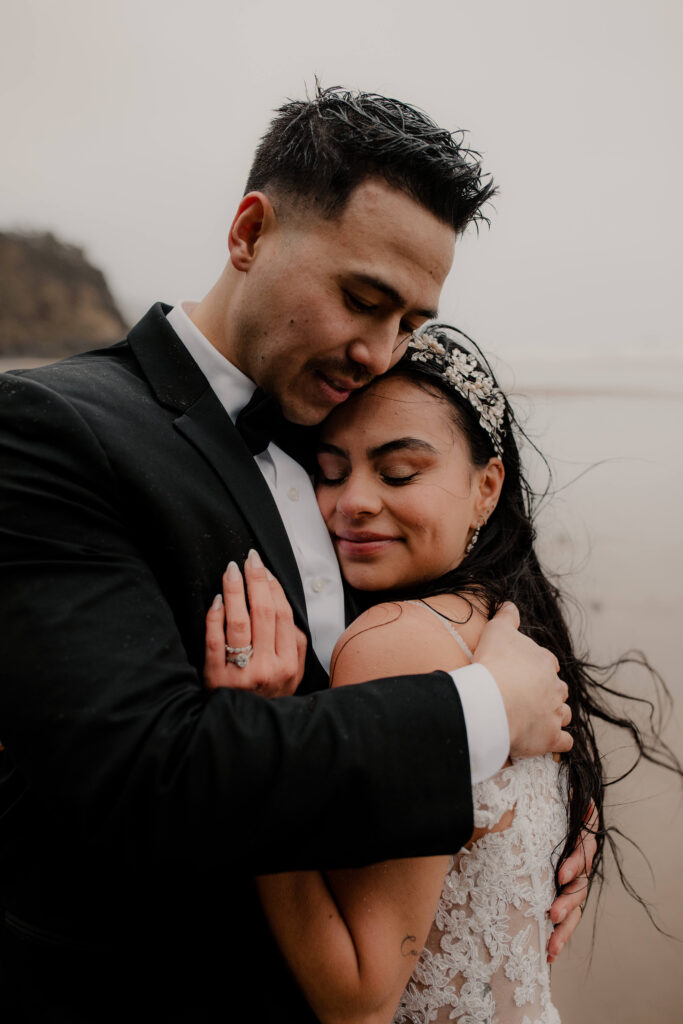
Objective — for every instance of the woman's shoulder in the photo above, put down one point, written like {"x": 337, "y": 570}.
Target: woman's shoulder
{"x": 399, "y": 637}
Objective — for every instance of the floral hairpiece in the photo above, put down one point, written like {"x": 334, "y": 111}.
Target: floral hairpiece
{"x": 462, "y": 372}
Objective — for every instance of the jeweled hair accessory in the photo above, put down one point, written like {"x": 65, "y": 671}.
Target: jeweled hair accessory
{"x": 460, "y": 369}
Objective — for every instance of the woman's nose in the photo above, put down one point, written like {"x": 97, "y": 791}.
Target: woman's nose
{"x": 358, "y": 498}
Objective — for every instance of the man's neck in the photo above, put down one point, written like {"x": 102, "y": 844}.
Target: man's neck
{"x": 213, "y": 315}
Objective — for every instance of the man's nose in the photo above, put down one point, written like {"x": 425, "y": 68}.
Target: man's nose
{"x": 378, "y": 348}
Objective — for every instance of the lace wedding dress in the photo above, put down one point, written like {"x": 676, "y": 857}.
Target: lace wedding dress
{"x": 485, "y": 957}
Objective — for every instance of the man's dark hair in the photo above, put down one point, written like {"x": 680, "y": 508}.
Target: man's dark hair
{"x": 319, "y": 150}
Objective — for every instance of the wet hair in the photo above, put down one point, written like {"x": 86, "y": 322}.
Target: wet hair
{"x": 319, "y": 150}
{"x": 503, "y": 566}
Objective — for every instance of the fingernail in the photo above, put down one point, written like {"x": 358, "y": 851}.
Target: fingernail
{"x": 254, "y": 558}
{"x": 233, "y": 571}
{"x": 269, "y": 575}
{"x": 217, "y": 601}
{"x": 561, "y": 916}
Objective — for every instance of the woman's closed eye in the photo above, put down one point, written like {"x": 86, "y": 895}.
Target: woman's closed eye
{"x": 398, "y": 479}
{"x": 322, "y": 480}
{"x": 332, "y": 470}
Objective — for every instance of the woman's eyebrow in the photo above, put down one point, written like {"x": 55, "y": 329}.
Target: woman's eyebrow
{"x": 412, "y": 444}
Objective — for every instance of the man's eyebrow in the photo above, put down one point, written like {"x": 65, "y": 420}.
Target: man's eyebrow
{"x": 391, "y": 293}
{"x": 413, "y": 444}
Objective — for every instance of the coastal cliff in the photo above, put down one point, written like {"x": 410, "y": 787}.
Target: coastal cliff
{"x": 53, "y": 302}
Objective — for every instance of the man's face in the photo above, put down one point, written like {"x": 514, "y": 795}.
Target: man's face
{"x": 327, "y": 305}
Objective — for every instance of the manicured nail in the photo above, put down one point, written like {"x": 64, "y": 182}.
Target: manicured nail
{"x": 269, "y": 575}
{"x": 217, "y": 601}
{"x": 233, "y": 571}
{"x": 561, "y": 916}
{"x": 254, "y": 559}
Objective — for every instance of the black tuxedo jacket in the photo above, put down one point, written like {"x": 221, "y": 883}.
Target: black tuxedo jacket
{"x": 136, "y": 807}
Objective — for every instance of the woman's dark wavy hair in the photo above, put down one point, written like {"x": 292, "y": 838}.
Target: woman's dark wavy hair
{"x": 503, "y": 566}
{"x": 319, "y": 150}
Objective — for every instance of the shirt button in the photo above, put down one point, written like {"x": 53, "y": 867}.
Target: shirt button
{"x": 293, "y": 493}
{"x": 318, "y": 584}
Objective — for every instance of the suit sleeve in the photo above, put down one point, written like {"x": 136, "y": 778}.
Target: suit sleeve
{"x": 106, "y": 720}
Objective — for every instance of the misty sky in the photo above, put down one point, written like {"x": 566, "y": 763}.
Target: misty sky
{"x": 128, "y": 127}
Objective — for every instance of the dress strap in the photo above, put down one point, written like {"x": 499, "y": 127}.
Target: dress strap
{"x": 449, "y": 626}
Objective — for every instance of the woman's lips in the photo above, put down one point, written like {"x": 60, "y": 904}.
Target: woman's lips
{"x": 363, "y": 545}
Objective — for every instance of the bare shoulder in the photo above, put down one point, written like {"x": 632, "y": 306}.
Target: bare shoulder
{"x": 401, "y": 637}
{"x": 466, "y": 614}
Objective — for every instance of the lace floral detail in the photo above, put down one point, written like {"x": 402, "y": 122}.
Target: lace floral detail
{"x": 485, "y": 957}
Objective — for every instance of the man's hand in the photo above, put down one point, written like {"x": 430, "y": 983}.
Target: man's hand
{"x": 566, "y": 911}
{"x": 526, "y": 675}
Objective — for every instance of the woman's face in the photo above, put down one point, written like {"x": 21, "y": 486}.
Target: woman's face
{"x": 397, "y": 487}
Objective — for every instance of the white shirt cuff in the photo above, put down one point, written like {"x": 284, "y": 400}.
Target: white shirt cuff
{"x": 488, "y": 736}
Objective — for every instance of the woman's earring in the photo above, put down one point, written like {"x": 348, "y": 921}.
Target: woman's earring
{"x": 473, "y": 540}
{"x": 475, "y": 536}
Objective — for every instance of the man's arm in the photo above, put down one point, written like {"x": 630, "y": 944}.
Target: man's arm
{"x": 109, "y": 724}
{"x": 106, "y": 719}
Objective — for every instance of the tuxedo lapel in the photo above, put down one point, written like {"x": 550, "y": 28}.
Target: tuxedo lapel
{"x": 208, "y": 427}
{"x": 352, "y": 609}
{"x": 180, "y": 385}
{"x": 171, "y": 372}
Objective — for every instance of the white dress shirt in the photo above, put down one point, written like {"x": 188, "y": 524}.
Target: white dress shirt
{"x": 292, "y": 490}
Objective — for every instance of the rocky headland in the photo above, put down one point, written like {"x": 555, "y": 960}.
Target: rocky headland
{"x": 53, "y": 301}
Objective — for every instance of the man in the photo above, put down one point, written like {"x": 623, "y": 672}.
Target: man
{"x": 138, "y": 806}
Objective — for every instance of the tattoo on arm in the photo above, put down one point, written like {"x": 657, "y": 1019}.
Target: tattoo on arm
{"x": 408, "y": 947}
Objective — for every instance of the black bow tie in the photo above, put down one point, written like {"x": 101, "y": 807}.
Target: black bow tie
{"x": 261, "y": 421}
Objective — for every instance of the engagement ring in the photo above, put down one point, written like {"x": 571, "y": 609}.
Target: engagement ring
{"x": 238, "y": 655}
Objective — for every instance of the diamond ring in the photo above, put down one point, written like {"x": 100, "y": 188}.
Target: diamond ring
{"x": 238, "y": 655}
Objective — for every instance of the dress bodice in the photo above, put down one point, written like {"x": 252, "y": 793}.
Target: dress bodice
{"x": 485, "y": 957}
{"x": 484, "y": 961}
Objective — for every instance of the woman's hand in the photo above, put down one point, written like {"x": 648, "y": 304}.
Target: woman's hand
{"x": 276, "y": 666}
{"x": 567, "y": 910}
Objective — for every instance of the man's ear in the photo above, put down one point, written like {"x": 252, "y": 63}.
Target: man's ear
{"x": 255, "y": 216}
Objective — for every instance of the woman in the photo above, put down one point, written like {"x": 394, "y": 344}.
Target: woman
{"x": 422, "y": 491}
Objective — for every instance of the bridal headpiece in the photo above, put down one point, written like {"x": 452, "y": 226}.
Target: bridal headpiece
{"x": 460, "y": 369}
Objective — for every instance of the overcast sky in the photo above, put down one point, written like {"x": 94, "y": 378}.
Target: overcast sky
{"x": 128, "y": 127}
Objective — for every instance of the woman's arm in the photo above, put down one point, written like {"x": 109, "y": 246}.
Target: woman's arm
{"x": 352, "y": 937}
